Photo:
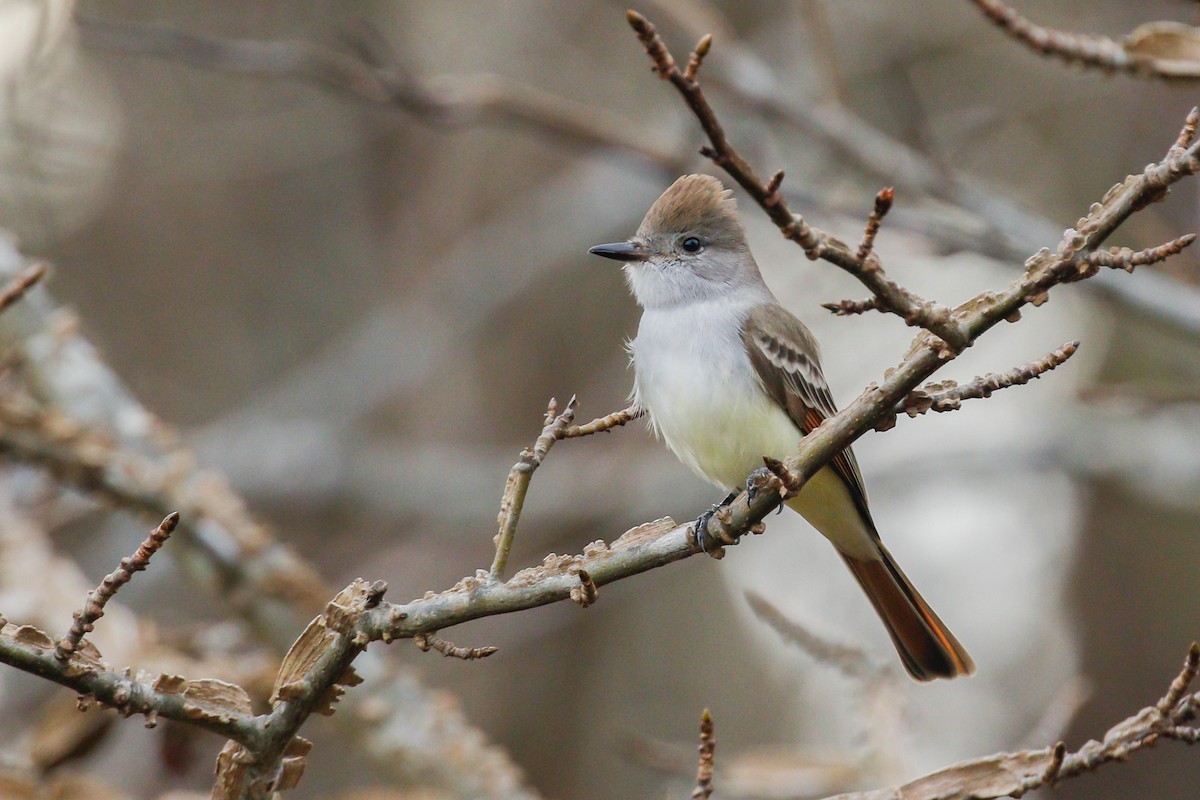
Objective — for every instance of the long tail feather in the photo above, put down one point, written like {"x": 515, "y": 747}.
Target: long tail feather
{"x": 926, "y": 647}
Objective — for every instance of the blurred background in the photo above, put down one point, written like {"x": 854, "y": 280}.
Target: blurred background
{"x": 350, "y": 270}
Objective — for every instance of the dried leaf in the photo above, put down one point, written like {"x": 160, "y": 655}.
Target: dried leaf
{"x": 232, "y": 763}
{"x": 213, "y": 692}
{"x": 27, "y": 634}
{"x": 292, "y": 764}
{"x": 1165, "y": 41}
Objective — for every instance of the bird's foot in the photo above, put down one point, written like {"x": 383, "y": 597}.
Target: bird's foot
{"x": 700, "y": 528}
{"x": 755, "y": 484}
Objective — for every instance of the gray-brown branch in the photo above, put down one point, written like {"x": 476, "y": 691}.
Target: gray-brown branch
{"x": 1144, "y": 53}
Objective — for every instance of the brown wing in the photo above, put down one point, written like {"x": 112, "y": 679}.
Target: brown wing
{"x": 787, "y": 359}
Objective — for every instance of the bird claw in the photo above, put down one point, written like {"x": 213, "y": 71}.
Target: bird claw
{"x": 700, "y": 528}
{"x": 757, "y": 480}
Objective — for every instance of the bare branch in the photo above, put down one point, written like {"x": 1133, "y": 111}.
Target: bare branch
{"x": 519, "y": 476}
{"x": 207, "y": 704}
{"x": 93, "y": 609}
{"x": 1014, "y": 774}
{"x": 846, "y": 308}
{"x": 704, "y": 767}
{"x": 430, "y": 641}
{"x": 948, "y": 395}
{"x": 604, "y": 424}
{"x": 883, "y": 204}
{"x": 1143, "y": 53}
{"x": 25, "y": 280}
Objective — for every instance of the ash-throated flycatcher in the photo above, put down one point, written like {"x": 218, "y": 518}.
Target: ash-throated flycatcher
{"x": 728, "y": 375}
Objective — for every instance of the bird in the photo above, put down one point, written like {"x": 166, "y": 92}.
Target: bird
{"x": 727, "y": 375}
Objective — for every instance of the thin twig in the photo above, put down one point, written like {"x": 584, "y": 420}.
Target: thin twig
{"x": 604, "y": 424}
{"x": 883, "y": 204}
{"x": 704, "y": 767}
{"x": 1132, "y": 56}
{"x": 846, "y": 308}
{"x": 430, "y": 641}
{"x": 1127, "y": 259}
{"x": 24, "y": 280}
{"x": 949, "y": 395}
{"x": 93, "y": 609}
{"x": 517, "y": 485}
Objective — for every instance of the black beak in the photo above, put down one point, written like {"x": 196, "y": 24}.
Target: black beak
{"x": 621, "y": 251}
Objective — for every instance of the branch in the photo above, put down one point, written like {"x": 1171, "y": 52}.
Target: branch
{"x": 76, "y": 663}
{"x": 21, "y": 283}
{"x": 93, "y": 609}
{"x": 212, "y": 705}
{"x": 557, "y": 426}
{"x": 604, "y": 424}
{"x": 375, "y": 77}
{"x": 1014, "y": 774}
{"x": 428, "y": 641}
{"x": 93, "y": 435}
{"x": 853, "y": 662}
{"x": 1155, "y": 50}
{"x": 890, "y": 296}
{"x": 704, "y": 767}
{"x": 519, "y": 476}
{"x": 954, "y": 329}
{"x": 948, "y": 395}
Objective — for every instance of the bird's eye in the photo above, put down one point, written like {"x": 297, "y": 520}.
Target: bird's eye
{"x": 691, "y": 245}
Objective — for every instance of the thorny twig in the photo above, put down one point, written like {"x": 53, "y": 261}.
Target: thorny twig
{"x": 93, "y": 608}
{"x": 1137, "y": 55}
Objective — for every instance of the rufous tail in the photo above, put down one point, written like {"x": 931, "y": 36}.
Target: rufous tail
{"x": 926, "y": 647}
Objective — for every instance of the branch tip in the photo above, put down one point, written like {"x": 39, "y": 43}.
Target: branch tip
{"x": 1188, "y": 133}
{"x": 707, "y": 760}
{"x": 697, "y": 57}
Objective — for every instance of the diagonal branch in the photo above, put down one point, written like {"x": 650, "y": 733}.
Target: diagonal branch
{"x": 93, "y": 609}
{"x": 817, "y": 244}
{"x": 519, "y": 476}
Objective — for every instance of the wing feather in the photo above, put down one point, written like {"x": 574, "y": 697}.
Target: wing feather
{"x": 786, "y": 358}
